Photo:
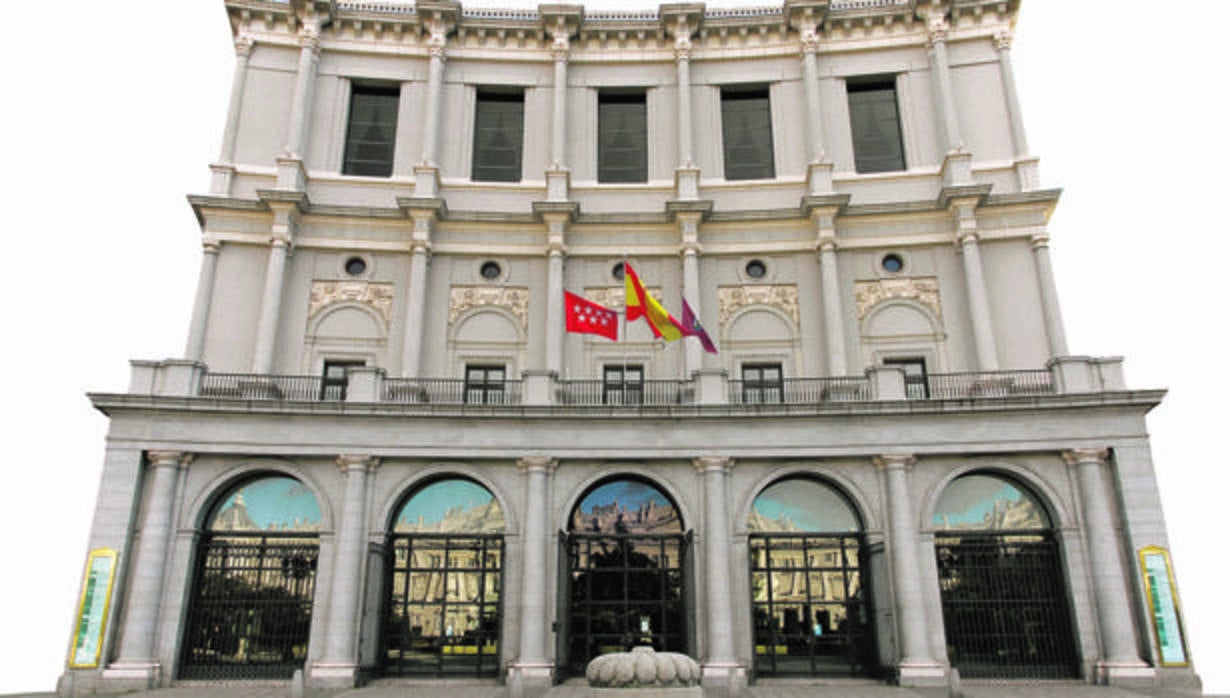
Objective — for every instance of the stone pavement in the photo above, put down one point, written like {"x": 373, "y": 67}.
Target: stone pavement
{"x": 578, "y": 689}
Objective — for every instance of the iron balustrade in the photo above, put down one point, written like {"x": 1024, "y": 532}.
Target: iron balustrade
{"x": 947, "y": 386}
{"x": 799, "y": 391}
{"x": 451, "y": 391}
{"x": 592, "y": 393}
{"x": 250, "y": 386}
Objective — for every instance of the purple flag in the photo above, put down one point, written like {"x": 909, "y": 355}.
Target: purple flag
{"x": 691, "y": 328}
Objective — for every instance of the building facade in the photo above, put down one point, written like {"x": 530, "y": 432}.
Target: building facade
{"x": 383, "y": 456}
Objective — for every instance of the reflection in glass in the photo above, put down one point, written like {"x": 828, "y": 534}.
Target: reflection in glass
{"x": 255, "y": 575}
{"x": 445, "y": 574}
{"x": 810, "y": 610}
{"x": 988, "y": 502}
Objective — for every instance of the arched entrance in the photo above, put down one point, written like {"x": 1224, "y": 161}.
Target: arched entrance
{"x": 1002, "y": 582}
{"x": 250, "y": 610}
{"x": 626, "y": 566}
{"x": 809, "y": 582}
{"x": 444, "y": 581}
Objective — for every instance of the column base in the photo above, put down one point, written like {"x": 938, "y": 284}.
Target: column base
{"x": 333, "y": 675}
{"x": 958, "y": 169}
{"x": 723, "y": 678}
{"x": 922, "y": 675}
{"x": 1027, "y": 174}
{"x": 127, "y": 676}
{"x": 820, "y": 178}
{"x": 687, "y": 183}
{"x": 291, "y": 175}
{"x": 220, "y": 179}
{"x": 558, "y": 183}
{"x": 426, "y": 182}
{"x": 1126, "y": 674}
{"x": 529, "y": 679}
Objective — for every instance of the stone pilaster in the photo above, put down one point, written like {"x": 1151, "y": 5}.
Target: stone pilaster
{"x": 416, "y": 291}
{"x": 195, "y": 348}
{"x": 285, "y": 218}
{"x": 689, "y": 233}
{"x": 680, "y": 22}
{"x": 1026, "y": 164}
{"x": 957, "y": 161}
{"x": 823, "y": 211}
{"x": 532, "y": 668}
{"x": 437, "y": 24}
{"x": 975, "y": 285}
{"x": 291, "y": 175}
{"x": 1056, "y": 336}
{"x": 224, "y": 168}
{"x": 719, "y": 668}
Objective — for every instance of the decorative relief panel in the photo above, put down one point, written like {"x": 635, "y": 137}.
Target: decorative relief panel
{"x": 923, "y": 289}
{"x": 514, "y": 300}
{"x": 377, "y": 296}
{"x": 613, "y": 297}
{"x": 733, "y": 298}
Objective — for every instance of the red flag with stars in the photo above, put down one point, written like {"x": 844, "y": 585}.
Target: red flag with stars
{"x": 585, "y": 316}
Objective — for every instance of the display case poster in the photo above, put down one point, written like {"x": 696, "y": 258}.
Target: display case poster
{"x": 1163, "y": 606}
{"x": 92, "y": 613}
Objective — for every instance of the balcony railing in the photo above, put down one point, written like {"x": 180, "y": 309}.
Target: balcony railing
{"x": 370, "y": 385}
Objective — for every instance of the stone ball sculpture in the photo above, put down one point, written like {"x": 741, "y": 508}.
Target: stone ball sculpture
{"x": 643, "y": 668}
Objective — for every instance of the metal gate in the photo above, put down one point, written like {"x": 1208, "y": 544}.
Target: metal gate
{"x": 443, "y": 617}
{"x": 250, "y": 612}
{"x": 1005, "y": 605}
{"x": 624, "y": 590}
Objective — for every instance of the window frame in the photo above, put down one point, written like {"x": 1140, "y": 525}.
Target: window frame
{"x": 608, "y": 100}
{"x": 340, "y": 383}
{"x": 487, "y": 389}
{"x": 759, "y": 390}
{"x": 917, "y": 385}
{"x": 354, "y": 166}
{"x": 486, "y": 98}
{"x": 737, "y": 100}
{"x": 868, "y": 163}
{"x": 624, "y": 389}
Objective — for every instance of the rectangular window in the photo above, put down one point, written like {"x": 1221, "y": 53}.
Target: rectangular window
{"x": 499, "y": 121}
{"x": 371, "y": 132}
{"x": 747, "y": 133}
{"x": 623, "y": 384}
{"x": 335, "y": 377}
{"x": 484, "y": 385}
{"x": 917, "y": 386}
{"x": 622, "y": 137}
{"x": 762, "y": 383}
{"x": 875, "y": 125}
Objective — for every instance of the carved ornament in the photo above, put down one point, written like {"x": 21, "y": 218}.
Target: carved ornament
{"x": 514, "y": 300}
{"x": 613, "y": 297}
{"x": 923, "y": 289}
{"x": 377, "y": 296}
{"x": 733, "y": 298}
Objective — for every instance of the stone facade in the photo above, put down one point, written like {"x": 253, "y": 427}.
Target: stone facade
{"x": 906, "y": 320}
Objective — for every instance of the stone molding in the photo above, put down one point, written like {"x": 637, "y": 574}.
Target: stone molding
{"x": 891, "y": 461}
{"x": 1085, "y": 456}
{"x": 377, "y": 296}
{"x": 168, "y": 459}
{"x": 529, "y": 464}
{"x": 923, "y": 289}
{"x": 352, "y": 461}
{"x": 515, "y": 300}
{"x": 784, "y": 297}
{"x": 704, "y": 464}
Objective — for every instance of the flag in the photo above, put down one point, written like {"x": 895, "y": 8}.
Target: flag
{"x": 691, "y": 328}
{"x": 581, "y": 315}
{"x": 638, "y": 303}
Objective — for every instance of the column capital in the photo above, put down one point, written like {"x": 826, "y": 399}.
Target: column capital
{"x": 936, "y": 17}
{"x": 243, "y": 45}
{"x": 357, "y": 461}
{"x": 210, "y": 244}
{"x": 309, "y": 38}
{"x": 168, "y": 459}
{"x": 1085, "y": 456}
{"x": 541, "y": 464}
{"x": 1040, "y": 240}
{"x": 708, "y": 464}
{"x": 1002, "y": 40}
{"x": 809, "y": 41}
{"x": 895, "y": 461}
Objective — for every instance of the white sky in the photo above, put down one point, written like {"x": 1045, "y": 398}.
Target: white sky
{"x": 115, "y": 110}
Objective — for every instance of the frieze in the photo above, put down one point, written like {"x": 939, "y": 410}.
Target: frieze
{"x": 731, "y": 299}
{"x": 377, "y": 296}
{"x": 923, "y": 289}
{"x": 514, "y": 300}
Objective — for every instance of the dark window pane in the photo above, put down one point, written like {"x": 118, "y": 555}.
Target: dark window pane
{"x": 916, "y": 385}
{"x": 372, "y": 132}
{"x": 747, "y": 134}
{"x": 762, "y": 383}
{"x": 622, "y": 144}
{"x": 875, "y": 126}
{"x": 499, "y": 121}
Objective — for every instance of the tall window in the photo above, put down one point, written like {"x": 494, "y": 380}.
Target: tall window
{"x": 747, "y": 133}
{"x": 623, "y": 384}
{"x": 875, "y": 125}
{"x": 622, "y": 137}
{"x": 484, "y": 384}
{"x": 917, "y": 387}
{"x": 499, "y": 121}
{"x": 762, "y": 383}
{"x": 335, "y": 378}
{"x": 372, "y": 131}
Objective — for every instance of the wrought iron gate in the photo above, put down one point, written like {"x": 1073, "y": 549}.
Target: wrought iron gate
{"x": 1005, "y": 605}
{"x": 250, "y": 612}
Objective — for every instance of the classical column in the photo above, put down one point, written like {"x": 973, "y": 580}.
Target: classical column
{"x": 204, "y": 299}
{"x": 532, "y": 665}
{"x": 687, "y": 174}
{"x": 339, "y": 662}
{"x": 224, "y": 169}
{"x": 427, "y": 172}
{"x": 416, "y": 291}
{"x": 290, "y": 161}
{"x": 915, "y": 660}
{"x": 555, "y": 292}
{"x": 559, "y": 96}
{"x": 136, "y": 654}
{"x": 718, "y": 602}
{"x": 689, "y": 228}
{"x": 271, "y": 297}
{"x": 976, "y": 287}
{"x": 1055, "y": 335}
{"x": 830, "y": 289}
{"x": 819, "y": 169}
{"x": 1111, "y": 598}
{"x": 1026, "y": 165}
{"x": 941, "y": 81}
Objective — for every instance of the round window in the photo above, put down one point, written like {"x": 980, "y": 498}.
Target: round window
{"x": 892, "y": 263}
{"x": 490, "y": 271}
{"x": 755, "y": 269}
{"x": 356, "y": 266}
{"x": 617, "y": 271}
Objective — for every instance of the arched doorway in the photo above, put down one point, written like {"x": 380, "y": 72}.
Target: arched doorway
{"x": 445, "y": 565}
{"x": 626, "y": 567}
{"x": 1002, "y": 582}
{"x": 250, "y": 610}
{"x": 810, "y": 607}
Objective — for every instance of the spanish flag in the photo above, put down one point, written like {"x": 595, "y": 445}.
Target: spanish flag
{"x": 638, "y": 303}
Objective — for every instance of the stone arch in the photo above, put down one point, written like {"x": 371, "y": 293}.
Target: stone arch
{"x": 1047, "y": 497}
{"x": 625, "y": 470}
{"x": 857, "y": 499}
{"x": 487, "y": 325}
{"x": 348, "y": 330}
{"x": 900, "y": 327}
{"x": 212, "y": 492}
{"x": 404, "y": 488}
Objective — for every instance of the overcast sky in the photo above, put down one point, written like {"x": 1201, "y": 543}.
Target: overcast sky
{"x": 115, "y": 110}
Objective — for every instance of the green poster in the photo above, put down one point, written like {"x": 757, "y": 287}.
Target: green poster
{"x": 1163, "y": 606}
{"x": 92, "y": 613}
